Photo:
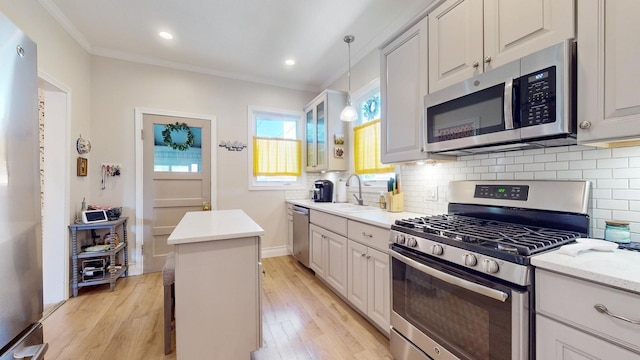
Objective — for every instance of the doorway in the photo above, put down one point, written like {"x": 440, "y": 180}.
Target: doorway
{"x": 175, "y": 174}
{"x": 55, "y": 179}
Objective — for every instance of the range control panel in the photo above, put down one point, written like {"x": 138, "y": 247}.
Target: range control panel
{"x": 502, "y": 192}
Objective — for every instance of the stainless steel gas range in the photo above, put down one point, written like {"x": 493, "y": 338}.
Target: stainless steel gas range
{"x": 462, "y": 285}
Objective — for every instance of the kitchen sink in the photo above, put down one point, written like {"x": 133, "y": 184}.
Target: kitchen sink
{"x": 350, "y": 208}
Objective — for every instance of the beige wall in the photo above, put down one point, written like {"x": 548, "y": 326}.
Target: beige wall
{"x": 60, "y": 58}
{"x": 362, "y": 73}
{"x": 117, "y": 87}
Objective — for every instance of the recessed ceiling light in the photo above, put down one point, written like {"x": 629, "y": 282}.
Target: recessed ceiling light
{"x": 290, "y": 62}
{"x": 165, "y": 35}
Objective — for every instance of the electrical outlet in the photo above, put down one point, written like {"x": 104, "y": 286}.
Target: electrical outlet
{"x": 431, "y": 193}
{"x": 111, "y": 169}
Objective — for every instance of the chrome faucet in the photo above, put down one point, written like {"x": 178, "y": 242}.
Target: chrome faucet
{"x": 359, "y": 197}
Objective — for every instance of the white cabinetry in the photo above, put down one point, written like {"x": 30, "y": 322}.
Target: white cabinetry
{"x": 403, "y": 84}
{"x": 468, "y": 37}
{"x": 568, "y": 326}
{"x": 322, "y": 117}
{"x": 290, "y": 228}
{"x": 328, "y": 256}
{"x": 368, "y": 273}
{"x": 608, "y": 72}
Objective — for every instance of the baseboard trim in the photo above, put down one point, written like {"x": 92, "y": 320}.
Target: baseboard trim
{"x": 275, "y": 252}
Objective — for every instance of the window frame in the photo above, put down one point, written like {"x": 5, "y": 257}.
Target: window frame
{"x": 252, "y": 113}
{"x": 358, "y": 97}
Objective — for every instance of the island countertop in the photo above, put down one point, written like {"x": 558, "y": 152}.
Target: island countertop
{"x": 198, "y": 226}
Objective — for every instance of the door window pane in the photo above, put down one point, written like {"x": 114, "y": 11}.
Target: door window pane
{"x": 167, "y": 159}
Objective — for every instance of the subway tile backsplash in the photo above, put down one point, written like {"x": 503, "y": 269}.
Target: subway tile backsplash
{"x": 614, "y": 173}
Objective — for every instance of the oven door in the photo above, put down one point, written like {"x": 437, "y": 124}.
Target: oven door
{"x": 450, "y": 313}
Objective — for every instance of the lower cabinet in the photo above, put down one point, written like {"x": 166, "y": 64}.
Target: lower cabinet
{"x": 329, "y": 257}
{"x": 570, "y": 327}
{"x": 368, "y": 279}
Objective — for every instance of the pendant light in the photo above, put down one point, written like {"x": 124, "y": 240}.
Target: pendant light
{"x": 349, "y": 113}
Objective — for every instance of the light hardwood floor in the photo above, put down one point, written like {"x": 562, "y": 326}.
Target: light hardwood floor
{"x": 302, "y": 319}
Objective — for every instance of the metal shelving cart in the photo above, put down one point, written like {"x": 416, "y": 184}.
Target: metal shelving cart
{"x": 85, "y": 273}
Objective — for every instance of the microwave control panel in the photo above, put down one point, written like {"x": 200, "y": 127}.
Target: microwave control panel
{"x": 502, "y": 192}
{"x": 538, "y": 97}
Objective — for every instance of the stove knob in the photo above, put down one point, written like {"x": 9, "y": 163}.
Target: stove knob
{"x": 437, "y": 249}
{"x": 469, "y": 259}
{"x": 490, "y": 266}
{"x": 412, "y": 242}
{"x": 400, "y": 239}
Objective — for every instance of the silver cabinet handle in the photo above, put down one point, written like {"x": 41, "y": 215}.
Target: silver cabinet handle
{"x": 367, "y": 235}
{"x": 585, "y": 125}
{"x": 603, "y": 310}
{"x": 476, "y": 64}
{"x": 487, "y": 59}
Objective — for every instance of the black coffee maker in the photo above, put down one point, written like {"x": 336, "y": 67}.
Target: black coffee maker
{"x": 323, "y": 191}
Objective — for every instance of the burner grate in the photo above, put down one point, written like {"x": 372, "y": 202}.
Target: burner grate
{"x": 502, "y": 236}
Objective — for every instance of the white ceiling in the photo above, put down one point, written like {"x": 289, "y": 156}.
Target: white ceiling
{"x": 241, "y": 39}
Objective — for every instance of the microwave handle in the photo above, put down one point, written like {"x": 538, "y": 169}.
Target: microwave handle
{"x": 451, "y": 279}
{"x": 508, "y": 104}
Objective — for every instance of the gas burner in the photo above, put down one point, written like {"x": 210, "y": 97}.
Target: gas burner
{"x": 500, "y": 236}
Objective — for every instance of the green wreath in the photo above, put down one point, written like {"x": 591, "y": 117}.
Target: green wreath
{"x": 166, "y": 133}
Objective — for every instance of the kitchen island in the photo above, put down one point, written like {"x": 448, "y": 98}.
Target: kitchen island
{"x": 217, "y": 285}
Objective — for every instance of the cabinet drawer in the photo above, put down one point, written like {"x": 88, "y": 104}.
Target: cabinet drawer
{"x": 369, "y": 235}
{"x": 330, "y": 222}
{"x": 572, "y": 301}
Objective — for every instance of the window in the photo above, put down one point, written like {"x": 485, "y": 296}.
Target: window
{"x": 275, "y": 149}
{"x": 367, "y": 136}
{"x": 168, "y": 159}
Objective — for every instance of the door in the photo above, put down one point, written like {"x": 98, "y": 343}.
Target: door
{"x": 357, "y": 280}
{"x": 403, "y": 85}
{"x": 318, "y": 252}
{"x": 378, "y": 287}
{"x": 455, "y": 43}
{"x": 176, "y": 178}
{"x": 516, "y": 28}
{"x": 337, "y": 263}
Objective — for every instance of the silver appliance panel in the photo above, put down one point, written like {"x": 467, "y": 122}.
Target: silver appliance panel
{"x": 553, "y": 195}
{"x": 21, "y": 299}
{"x": 301, "y": 234}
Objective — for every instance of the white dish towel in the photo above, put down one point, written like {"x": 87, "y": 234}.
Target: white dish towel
{"x": 584, "y": 244}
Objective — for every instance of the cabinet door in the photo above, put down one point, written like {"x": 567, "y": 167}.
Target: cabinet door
{"x": 318, "y": 252}
{"x": 336, "y": 271}
{"x": 357, "y": 276}
{"x": 403, "y": 86}
{"x": 516, "y": 28}
{"x": 310, "y": 137}
{"x": 455, "y": 42}
{"x": 321, "y": 135}
{"x": 290, "y": 234}
{"x": 378, "y": 273}
{"x": 555, "y": 341}
{"x": 608, "y": 72}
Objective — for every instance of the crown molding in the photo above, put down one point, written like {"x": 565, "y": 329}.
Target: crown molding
{"x": 66, "y": 24}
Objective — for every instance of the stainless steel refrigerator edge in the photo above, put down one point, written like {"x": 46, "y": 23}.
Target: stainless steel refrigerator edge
{"x": 20, "y": 239}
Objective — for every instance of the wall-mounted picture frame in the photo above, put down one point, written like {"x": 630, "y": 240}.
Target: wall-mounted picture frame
{"x": 83, "y": 164}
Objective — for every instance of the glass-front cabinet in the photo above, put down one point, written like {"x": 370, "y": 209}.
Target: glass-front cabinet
{"x": 326, "y": 145}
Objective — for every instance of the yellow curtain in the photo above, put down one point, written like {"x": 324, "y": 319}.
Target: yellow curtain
{"x": 277, "y": 157}
{"x": 367, "y": 149}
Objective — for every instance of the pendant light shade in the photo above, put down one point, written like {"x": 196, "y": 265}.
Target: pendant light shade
{"x": 349, "y": 113}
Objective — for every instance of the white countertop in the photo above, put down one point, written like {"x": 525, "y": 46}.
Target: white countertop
{"x": 620, "y": 268}
{"x": 199, "y": 226}
{"x": 372, "y": 215}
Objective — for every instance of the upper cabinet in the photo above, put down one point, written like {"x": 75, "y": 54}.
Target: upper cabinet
{"x": 608, "y": 72}
{"x": 326, "y": 147}
{"x": 403, "y": 84}
{"x": 468, "y": 37}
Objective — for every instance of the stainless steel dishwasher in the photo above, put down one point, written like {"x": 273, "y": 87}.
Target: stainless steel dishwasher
{"x": 301, "y": 234}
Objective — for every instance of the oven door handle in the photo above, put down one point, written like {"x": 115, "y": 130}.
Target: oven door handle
{"x": 454, "y": 280}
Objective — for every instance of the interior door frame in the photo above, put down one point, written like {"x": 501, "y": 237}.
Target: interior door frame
{"x": 136, "y": 267}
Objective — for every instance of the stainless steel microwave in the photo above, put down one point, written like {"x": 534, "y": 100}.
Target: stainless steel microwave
{"x": 524, "y": 104}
